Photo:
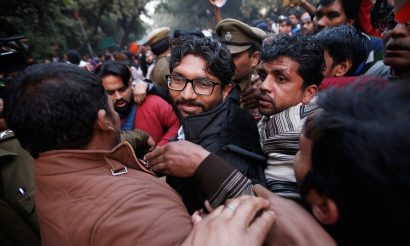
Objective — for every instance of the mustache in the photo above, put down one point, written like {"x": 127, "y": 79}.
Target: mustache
{"x": 265, "y": 97}
{"x": 188, "y": 102}
{"x": 120, "y": 101}
{"x": 397, "y": 45}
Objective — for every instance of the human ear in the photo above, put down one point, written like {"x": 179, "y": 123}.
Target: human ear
{"x": 255, "y": 59}
{"x": 342, "y": 68}
{"x": 226, "y": 90}
{"x": 324, "y": 208}
{"x": 309, "y": 93}
{"x": 103, "y": 122}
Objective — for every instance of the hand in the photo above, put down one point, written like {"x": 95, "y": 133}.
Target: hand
{"x": 151, "y": 143}
{"x": 293, "y": 224}
{"x": 249, "y": 97}
{"x": 237, "y": 225}
{"x": 140, "y": 92}
{"x": 179, "y": 159}
{"x": 212, "y": 2}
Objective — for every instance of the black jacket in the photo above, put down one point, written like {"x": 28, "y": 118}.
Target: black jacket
{"x": 229, "y": 132}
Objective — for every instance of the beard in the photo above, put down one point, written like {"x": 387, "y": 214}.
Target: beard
{"x": 204, "y": 107}
{"x": 124, "y": 110}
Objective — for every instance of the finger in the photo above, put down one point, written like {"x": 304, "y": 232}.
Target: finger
{"x": 260, "y": 228}
{"x": 261, "y": 191}
{"x": 159, "y": 167}
{"x": 208, "y": 206}
{"x": 231, "y": 206}
{"x": 196, "y": 218}
{"x": 158, "y": 151}
{"x": 247, "y": 209}
{"x": 251, "y": 105}
{"x": 215, "y": 213}
{"x": 139, "y": 99}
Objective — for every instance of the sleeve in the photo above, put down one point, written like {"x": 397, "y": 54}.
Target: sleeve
{"x": 220, "y": 181}
{"x": 168, "y": 120}
{"x": 160, "y": 91}
{"x": 136, "y": 137}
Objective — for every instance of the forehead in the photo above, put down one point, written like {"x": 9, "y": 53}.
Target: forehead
{"x": 191, "y": 63}
{"x": 193, "y": 67}
{"x": 336, "y": 6}
{"x": 112, "y": 81}
{"x": 283, "y": 64}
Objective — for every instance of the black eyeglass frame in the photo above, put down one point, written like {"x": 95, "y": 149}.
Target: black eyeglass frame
{"x": 169, "y": 78}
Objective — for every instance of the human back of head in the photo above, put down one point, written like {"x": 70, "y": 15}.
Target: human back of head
{"x": 347, "y": 47}
{"x": 305, "y": 50}
{"x": 54, "y": 106}
{"x": 360, "y": 162}
{"x": 74, "y": 57}
{"x": 216, "y": 55}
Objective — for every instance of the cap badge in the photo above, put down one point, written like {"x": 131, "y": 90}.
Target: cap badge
{"x": 228, "y": 36}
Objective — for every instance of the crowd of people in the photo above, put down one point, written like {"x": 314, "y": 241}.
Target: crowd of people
{"x": 248, "y": 136}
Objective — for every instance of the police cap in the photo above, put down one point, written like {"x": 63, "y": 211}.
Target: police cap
{"x": 157, "y": 35}
{"x": 237, "y": 35}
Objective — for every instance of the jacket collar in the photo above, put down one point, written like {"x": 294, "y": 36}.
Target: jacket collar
{"x": 206, "y": 123}
{"x": 66, "y": 161}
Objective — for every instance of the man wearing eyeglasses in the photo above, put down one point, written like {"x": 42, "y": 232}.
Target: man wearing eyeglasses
{"x": 199, "y": 83}
{"x": 396, "y": 38}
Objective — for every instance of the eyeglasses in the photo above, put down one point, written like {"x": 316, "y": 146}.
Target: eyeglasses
{"x": 200, "y": 86}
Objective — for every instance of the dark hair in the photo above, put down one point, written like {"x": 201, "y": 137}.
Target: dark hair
{"x": 116, "y": 68}
{"x": 73, "y": 57}
{"x": 216, "y": 55}
{"x": 295, "y": 12}
{"x": 360, "y": 159}
{"x": 161, "y": 46}
{"x": 305, "y": 50}
{"x": 179, "y": 33}
{"x": 54, "y": 106}
{"x": 254, "y": 48}
{"x": 351, "y": 8}
{"x": 343, "y": 43}
{"x": 287, "y": 21}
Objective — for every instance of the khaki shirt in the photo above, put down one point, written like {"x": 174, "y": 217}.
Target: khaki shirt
{"x": 161, "y": 68}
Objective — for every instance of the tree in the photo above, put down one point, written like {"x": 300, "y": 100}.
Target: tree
{"x": 53, "y": 26}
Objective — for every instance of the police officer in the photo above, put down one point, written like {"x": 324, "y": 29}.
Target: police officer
{"x": 244, "y": 43}
{"x": 159, "y": 39}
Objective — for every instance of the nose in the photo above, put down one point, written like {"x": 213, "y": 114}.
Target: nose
{"x": 265, "y": 86}
{"x": 117, "y": 95}
{"x": 322, "y": 22}
{"x": 188, "y": 92}
{"x": 400, "y": 30}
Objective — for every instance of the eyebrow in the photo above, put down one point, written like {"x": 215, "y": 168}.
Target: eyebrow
{"x": 279, "y": 70}
{"x": 197, "y": 77}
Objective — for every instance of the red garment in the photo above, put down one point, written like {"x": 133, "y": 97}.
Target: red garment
{"x": 157, "y": 117}
{"x": 346, "y": 81}
{"x": 364, "y": 19}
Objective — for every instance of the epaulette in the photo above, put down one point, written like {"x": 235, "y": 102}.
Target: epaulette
{"x": 6, "y": 134}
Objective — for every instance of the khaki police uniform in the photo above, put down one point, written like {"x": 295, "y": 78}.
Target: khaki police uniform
{"x": 18, "y": 219}
{"x": 239, "y": 37}
{"x": 161, "y": 67}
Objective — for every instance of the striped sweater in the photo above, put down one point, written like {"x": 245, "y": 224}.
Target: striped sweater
{"x": 279, "y": 136}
